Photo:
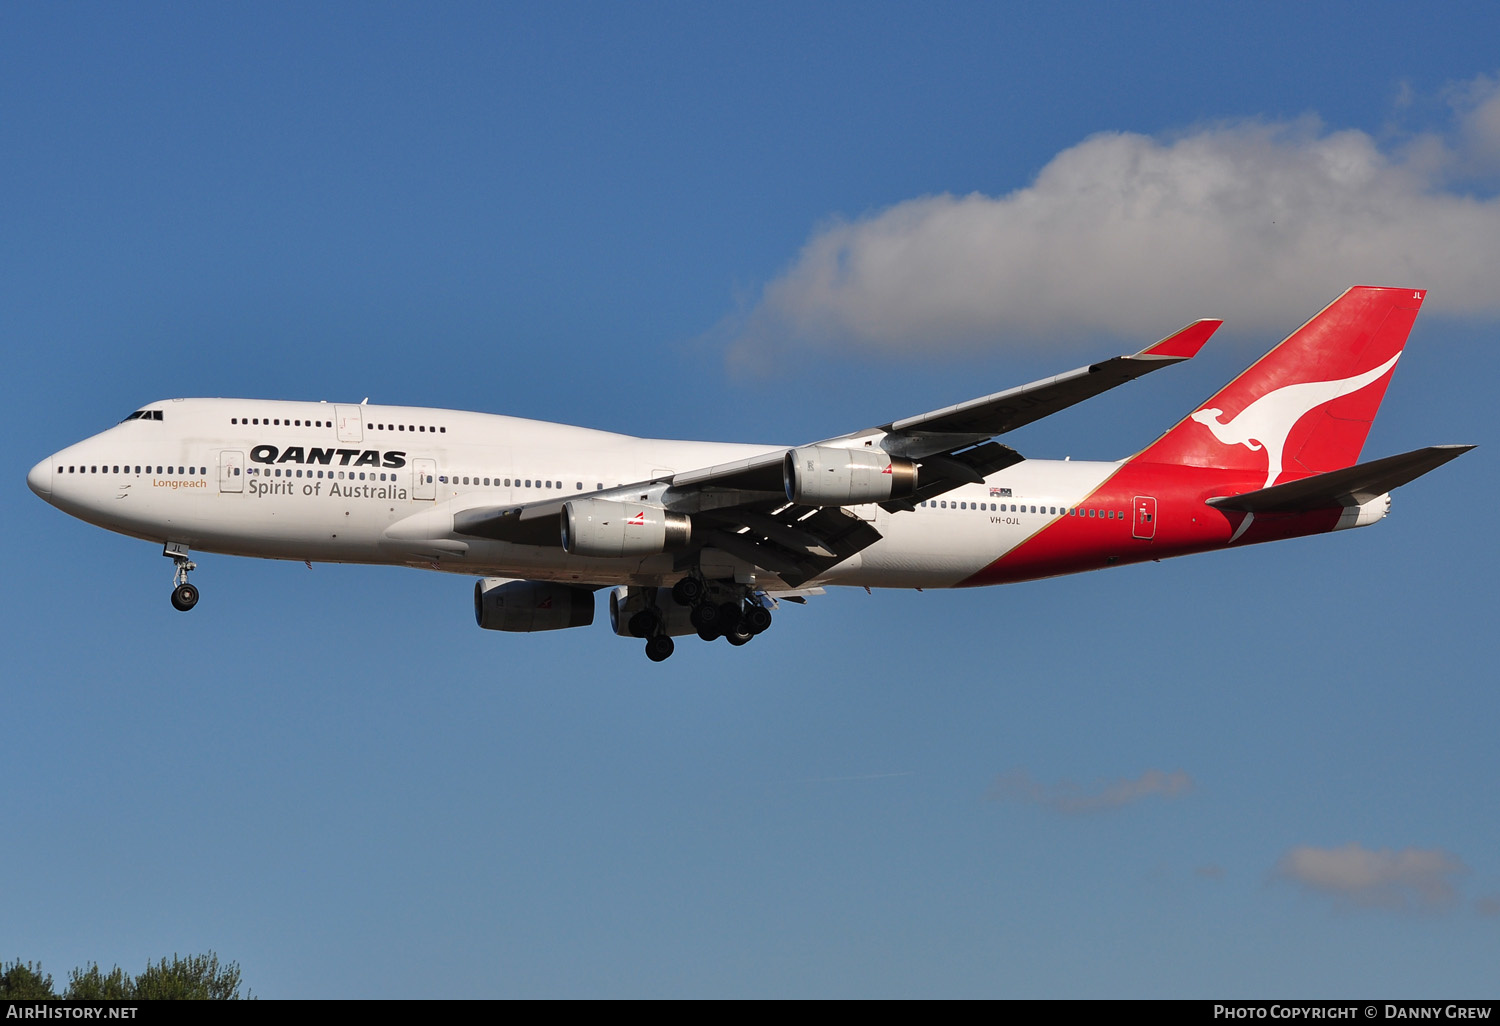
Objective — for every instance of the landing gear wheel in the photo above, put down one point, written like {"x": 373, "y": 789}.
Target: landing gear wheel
{"x": 659, "y": 647}
{"x": 184, "y": 597}
{"x": 705, "y": 616}
{"x": 687, "y": 591}
{"x": 738, "y": 636}
{"x": 730, "y": 615}
{"x": 708, "y": 633}
{"x": 644, "y": 623}
{"x": 757, "y": 619}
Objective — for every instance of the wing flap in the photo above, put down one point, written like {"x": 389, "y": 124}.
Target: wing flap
{"x": 940, "y": 474}
{"x": 796, "y": 543}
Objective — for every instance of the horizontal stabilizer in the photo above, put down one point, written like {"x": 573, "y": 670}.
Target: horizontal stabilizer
{"x": 1352, "y": 486}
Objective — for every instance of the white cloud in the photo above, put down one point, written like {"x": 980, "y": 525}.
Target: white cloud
{"x": 1066, "y": 796}
{"x": 1477, "y": 106}
{"x": 1412, "y": 878}
{"x": 1260, "y": 223}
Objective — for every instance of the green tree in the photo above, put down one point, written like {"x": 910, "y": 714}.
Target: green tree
{"x": 197, "y": 977}
{"x": 92, "y": 985}
{"x": 25, "y": 981}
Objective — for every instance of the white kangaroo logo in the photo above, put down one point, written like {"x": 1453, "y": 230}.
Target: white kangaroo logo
{"x": 1267, "y": 421}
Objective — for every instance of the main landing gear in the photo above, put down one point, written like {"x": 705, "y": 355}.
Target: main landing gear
{"x": 712, "y": 608}
{"x": 736, "y": 621}
{"x": 184, "y": 595}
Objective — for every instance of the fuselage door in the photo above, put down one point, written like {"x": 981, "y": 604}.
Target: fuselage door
{"x": 1145, "y": 518}
{"x": 231, "y": 470}
{"x": 351, "y": 424}
{"x": 424, "y": 479}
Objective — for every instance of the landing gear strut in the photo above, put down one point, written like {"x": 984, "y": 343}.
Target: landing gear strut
{"x": 184, "y": 595}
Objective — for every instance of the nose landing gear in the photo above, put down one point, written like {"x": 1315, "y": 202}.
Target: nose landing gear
{"x": 184, "y": 595}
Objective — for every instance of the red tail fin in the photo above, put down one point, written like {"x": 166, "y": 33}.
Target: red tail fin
{"x": 1306, "y": 406}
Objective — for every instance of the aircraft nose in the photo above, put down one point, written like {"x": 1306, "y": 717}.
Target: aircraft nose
{"x": 40, "y": 479}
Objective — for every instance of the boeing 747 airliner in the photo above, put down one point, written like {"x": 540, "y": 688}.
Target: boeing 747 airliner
{"x": 706, "y": 538}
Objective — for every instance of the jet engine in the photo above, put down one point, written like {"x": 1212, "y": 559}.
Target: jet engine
{"x": 821, "y": 475}
{"x": 602, "y": 527}
{"x": 529, "y": 606}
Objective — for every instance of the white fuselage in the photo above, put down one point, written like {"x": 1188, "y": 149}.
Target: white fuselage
{"x": 355, "y": 484}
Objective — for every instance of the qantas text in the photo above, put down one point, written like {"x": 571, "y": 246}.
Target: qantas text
{"x": 313, "y": 454}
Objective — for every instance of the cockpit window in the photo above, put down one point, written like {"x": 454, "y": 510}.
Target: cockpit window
{"x": 144, "y": 415}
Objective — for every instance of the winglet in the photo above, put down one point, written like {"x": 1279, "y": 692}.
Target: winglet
{"x": 1184, "y": 345}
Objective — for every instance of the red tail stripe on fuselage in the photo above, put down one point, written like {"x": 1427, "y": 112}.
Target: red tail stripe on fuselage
{"x": 1183, "y": 524}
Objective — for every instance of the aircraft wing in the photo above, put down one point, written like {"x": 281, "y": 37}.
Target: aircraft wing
{"x": 948, "y": 440}
{"x": 978, "y": 419}
{"x": 741, "y": 507}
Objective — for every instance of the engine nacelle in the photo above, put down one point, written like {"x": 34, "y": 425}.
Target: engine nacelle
{"x": 625, "y": 602}
{"x": 820, "y": 475}
{"x": 528, "y": 606}
{"x": 602, "y": 527}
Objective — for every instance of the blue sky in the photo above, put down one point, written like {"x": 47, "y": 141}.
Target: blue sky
{"x": 622, "y": 216}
